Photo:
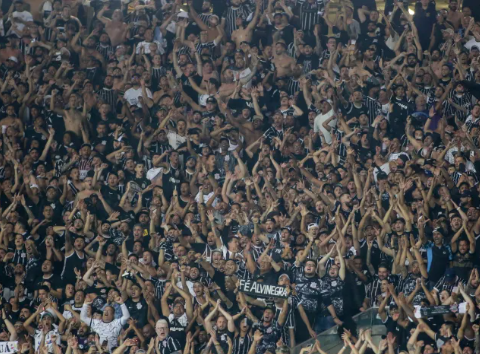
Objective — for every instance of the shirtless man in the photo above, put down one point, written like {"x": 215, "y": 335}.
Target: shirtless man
{"x": 228, "y": 84}
{"x": 242, "y": 33}
{"x": 211, "y": 29}
{"x": 87, "y": 51}
{"x": 283, "y": 62}
{"x": 88, "y": 189}
{"x": 115, "y": 27}
{"x": 10, "y": 50}
{"x": 251, "y": 131}
{"x": 11, "y": 119}
{"x": 436, "y": 63}
{"x": 453, "y": 15}
{"x": 74, "y": 120}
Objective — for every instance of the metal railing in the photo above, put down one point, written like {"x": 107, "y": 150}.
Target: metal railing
{"x": 330, "y": 340}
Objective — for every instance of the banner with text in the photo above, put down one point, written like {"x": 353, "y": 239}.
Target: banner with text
{"x": 8, "y": 347}
{"x": 262, "y": 290}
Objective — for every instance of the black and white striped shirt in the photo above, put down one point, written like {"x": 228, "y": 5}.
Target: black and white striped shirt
{"x": 209, "y": 45}
{"x": 443, "y": 285}
{"x": 184, "y": 50}
{"x": 272, "y": 132}
{"x": 374, "y": 108}
{"x": 374, "y": 288}
{"x": 20, "y": 257}
{"x": 472, "y": 122}
{"x": 310, "y": 14}
{"x": 105, "y": 51}
{"x": 291, "y": 50}
{"x": 170, "y": 346}
{"x": 231, "y": 16}
{"x": 109, "y": 96}
{"x": 293, "y": 86}
{"x": 159, "y": 287}
{"x": 288, "y": 111}
{"x": 157, "y": 73}
{"x": 205, "y": 17}
{"x": 427, "y": 91}
{"x": 241, "y": 345}
{"x": 464, "y": 100}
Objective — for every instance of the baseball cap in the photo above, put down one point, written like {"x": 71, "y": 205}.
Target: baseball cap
{"x": 45, "y": 314}
{"x": 14, "y": 59}
{"x": 450, "y": 274}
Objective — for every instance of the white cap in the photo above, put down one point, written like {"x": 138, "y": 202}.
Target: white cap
{"x": 12, "y": 58}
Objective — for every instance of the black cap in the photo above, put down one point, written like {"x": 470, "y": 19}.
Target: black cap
{"x": 466, "y": 194}
{"x": 194, "y": 131}
{"x": 211, "y": 100}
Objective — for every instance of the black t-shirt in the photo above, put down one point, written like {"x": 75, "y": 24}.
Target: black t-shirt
{"x": 271, "y": 334}
{"x": 401, "y": 108}
{"x": 187, "y": 87}
{"x": 138, "y": 311}
{"x": 463, "y": 263}
{"x": 308, "y": 289}
{"x": 222, "y": 337}
{"x": 310, "y": 62}
{"x": 142, "y": 182}
{"x": 394, "y": 327}
{"x": 54, "y": 280}
{"x": 111, "y": 196}
{"x": 441, "y": 257}
{"x": 425, "y": 19}
{"x": 352, "y": 111}
{"x": 106, "y": 141}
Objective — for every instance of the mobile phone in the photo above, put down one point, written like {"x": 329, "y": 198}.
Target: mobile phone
{"x": 472, "y": 153}
{"x": 353, "y": 41}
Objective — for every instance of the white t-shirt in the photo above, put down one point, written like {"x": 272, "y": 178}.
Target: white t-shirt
{"x": 132, "y": 95}
{"x": 146, "y": 47}
{"x": 48, "y": 338}
{"x": 471, "y": 43}
{"x": 206, "y": 198}
{"x": 317, "y": 125}
{"x": 189, "y": 286}
{"x": 175, "y": 140}
{"x": 183, "y": 320}
{"x": 242, "y": 74}
{"x": 25, "y": 16}
{"x": 385, "y": 168}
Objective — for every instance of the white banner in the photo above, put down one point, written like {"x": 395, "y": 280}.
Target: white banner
{"x": 8, "y": 347}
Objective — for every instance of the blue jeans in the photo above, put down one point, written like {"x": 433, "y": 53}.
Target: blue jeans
{"x": 323, "y": 323}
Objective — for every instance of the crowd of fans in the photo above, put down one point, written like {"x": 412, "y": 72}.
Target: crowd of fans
{"x": 155, "y": 155}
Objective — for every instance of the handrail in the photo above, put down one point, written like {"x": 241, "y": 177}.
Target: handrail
{"x": 331, "y": 342}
